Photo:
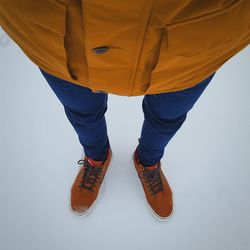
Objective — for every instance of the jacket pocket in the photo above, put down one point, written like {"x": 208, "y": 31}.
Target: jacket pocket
{"x": 209, "y": 31}
{"x": 43, "y": 36}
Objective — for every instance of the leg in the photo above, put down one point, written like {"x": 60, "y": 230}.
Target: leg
{"x": 85, "y": 111}
{"x": 164, "y": 114}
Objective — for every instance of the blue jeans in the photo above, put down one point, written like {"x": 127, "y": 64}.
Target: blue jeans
{"x": 164, "y": 114}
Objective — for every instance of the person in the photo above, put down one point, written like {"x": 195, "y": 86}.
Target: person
{"x": 164, "y": 114}
{"x": 167, "y": 51}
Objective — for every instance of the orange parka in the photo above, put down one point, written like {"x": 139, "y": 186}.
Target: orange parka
{"x": 128, "y": 47}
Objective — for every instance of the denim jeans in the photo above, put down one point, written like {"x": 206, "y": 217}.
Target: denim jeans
{"x": 164, "y": 113}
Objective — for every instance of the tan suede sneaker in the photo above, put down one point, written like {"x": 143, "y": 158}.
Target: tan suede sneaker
{"x": 87, "y": 184}
{"x": 156, "y": 188}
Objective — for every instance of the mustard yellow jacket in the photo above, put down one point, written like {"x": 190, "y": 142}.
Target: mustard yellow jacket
{"x": 128, "y": 47}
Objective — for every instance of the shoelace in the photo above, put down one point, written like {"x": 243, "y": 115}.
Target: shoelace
{"x": 153, "y": 178}
{"x": 90, "y": 174}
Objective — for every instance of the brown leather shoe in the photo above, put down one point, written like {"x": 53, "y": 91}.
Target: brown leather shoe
{"x": 156, "y": 188}
{"x": 87, "y": 184}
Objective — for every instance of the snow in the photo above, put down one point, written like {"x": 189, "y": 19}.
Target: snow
{"x": 206, "y": 164}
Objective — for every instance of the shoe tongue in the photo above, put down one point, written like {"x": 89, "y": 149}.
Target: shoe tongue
{"x": 95, "y": 163}
{"x": 151, "y": 167}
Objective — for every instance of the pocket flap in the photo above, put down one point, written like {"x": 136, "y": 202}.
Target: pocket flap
{"x": 189, "y": 37}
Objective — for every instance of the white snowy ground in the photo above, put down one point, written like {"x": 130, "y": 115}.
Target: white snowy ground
{"x": 207, "y": 165}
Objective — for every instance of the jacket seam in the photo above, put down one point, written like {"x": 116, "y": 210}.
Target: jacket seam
{"x": 234, "y": 4}
{"x": 85, "y": 40}
{"x": 139, "y": 44}
{"x": 67, "y": 33}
